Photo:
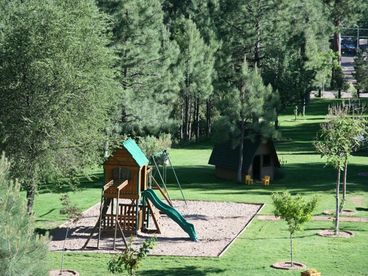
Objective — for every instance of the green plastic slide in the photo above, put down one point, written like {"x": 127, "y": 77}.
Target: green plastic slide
{"x": 171, "y": 212}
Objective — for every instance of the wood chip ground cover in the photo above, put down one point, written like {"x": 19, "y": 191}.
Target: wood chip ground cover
{"x": 217, "y": 224}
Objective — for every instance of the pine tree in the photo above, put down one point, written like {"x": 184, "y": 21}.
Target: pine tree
{"x": 361, "y": 72}
{"x": 21, "y": 252}
{"x": 146, "y": 64}
{"x": 363, "y": 22}
{"x": 246, "y": 28}
{"x": 300, "y": 57}
{"x": 196, "y": 64}
{"x": 343, "y": 14}
{"x": 57, "y": 88}
{"x": 203, "y": 14}
{"x": 247, "y": 111}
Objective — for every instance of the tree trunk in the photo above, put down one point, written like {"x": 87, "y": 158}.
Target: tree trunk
{"x": 257, "y": 54}
{"x": 197, "y": 119}
{"x": 106, "y": 150}
{"x": 31, "y": 191}
{"x": 240, "y": 165}
{"x": 339, "y": 93}
{"x": 186, "y": 118}
{"x": 190, "y": 120}
{"x": 291, "y": 250}
{"x": 182, "y": 124}
{"x": 208, "y": 117}
{"x": 344, "y": 185}
{"x": 277, "y": 126}
{"x": 337, "y": 43}
{"x": 337, "y": 213}
{"x": 319, "y": 92}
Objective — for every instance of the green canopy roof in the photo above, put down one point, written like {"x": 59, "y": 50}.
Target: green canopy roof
{"x": 135, "y": 151}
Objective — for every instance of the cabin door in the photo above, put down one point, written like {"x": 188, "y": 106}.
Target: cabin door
{"x": 256, "y": 167}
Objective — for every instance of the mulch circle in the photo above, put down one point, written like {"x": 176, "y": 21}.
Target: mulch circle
{"x": 287, "y": 265}
{"x": 345, "y": 212}
{"x": 331, "y": 234}
{"x": 64, "y": 272}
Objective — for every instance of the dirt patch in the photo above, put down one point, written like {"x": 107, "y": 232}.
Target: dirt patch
{"x": 287, "y": 265}
{"x": 346, "y": 218}
{"x": 64, "y": 272}
{"x": 268, "y": 217}
{"x": 345, "y": 212}
{"x": 217, "y": 224}
{"x": 331, "y": 234}
{"x": 358, "y": 200}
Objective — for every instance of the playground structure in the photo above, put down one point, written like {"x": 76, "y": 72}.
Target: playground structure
{"x": 128, "y": 177}
{"x": 162, "y": 159}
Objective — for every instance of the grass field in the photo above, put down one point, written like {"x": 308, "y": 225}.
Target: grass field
{"x": 264, "y": 242}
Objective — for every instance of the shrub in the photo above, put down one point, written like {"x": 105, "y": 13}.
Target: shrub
{"x": 21, "y": 251}
{"x": 131, "y": 258}
{"x": 151, "y": 144}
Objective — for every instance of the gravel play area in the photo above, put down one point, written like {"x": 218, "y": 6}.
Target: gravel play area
{"x": 217, "y": 224}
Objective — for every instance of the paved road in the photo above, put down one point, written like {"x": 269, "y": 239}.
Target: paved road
{"x": 347, "y": 64}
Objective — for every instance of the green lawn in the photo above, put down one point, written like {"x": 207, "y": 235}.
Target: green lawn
{"x": 263, "y": 243}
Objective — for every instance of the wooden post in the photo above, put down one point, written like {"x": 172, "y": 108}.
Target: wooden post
{"x": 100, "y": 219}
{"x": 116, "y": 217}
{"x": 137, "y": 203}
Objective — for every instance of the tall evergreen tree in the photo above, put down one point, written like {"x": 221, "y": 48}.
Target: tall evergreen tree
{"x": 299, "y": 57}
{"x": 203, "y": 14}
{"x": 21, "y": 252}
{"x": 247, "y": 111}
{"x": 196, "y": 64}
{"x": 361, "y": 72}
{"x": 363, "y": 22}
{"x": 246, "y": 28}
{"x": 343, "y": 13}
{"x": 146, "y": 64}
{"x": 57, "y": 88}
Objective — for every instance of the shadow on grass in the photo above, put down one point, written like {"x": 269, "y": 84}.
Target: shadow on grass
{"x": 48, "y": 212}
{"x": 298, "y": 178}
{"x": 301, "y": 136}
{"x": 362, "y": 152}
{"x": 41, "y": 231}
{"x": 204, "y": 144}
{"x": 93, "y": 181}
{"x": 187, "y": 270}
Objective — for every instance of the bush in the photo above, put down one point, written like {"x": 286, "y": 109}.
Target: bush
{"x": 21, "y": 251}
{"x": 131, "y": 258}
{"x": 69, "y": 209}
{"x": 151, "y": 144}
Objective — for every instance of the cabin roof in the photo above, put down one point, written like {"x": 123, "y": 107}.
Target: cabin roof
{"x": 135, "y": 151}
{"x": 225, "y": 156}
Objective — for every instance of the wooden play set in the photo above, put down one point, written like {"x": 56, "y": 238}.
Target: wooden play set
{"x": 127, "y": 200}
